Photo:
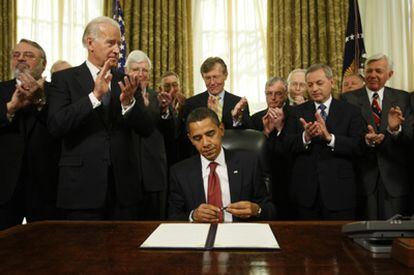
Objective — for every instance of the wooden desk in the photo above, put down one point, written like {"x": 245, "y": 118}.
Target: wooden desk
{"x": 112, "y": 248}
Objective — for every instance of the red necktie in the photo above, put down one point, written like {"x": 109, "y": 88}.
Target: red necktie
{"x": 376, "y": 110}
{"x": 214, "y": 190}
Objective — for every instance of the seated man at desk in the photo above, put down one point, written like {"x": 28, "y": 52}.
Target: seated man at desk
{"x": 217, "y": 185}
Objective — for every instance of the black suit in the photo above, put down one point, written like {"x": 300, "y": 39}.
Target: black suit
{"x": 28, "y": 163}
{"x": 278, "y": 167}
{"x": 229, "y": 102}
{"x": 244, "y": 174}
{"x": 322, "y": 179}
{"x": 98, "y": 147}
{"x": 386, "y": 165}
{"x": 154, "y": 167}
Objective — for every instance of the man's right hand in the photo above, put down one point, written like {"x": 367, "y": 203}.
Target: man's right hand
{"x": 206, "y": 213}
{"x": 103, "y": 80}
{"x": 18, "y": 101}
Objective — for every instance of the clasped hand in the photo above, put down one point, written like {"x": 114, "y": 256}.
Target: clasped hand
{"x": 316, "y": 129}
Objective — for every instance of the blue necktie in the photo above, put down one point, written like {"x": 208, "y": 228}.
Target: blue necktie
{"x": 322, "y": 108}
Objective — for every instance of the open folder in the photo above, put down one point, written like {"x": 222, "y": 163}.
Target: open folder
{"x": 212, "y": 236}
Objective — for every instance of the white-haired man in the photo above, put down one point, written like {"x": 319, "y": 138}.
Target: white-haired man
{"x": 95, "y": 109}
{"x": 384, "y": 169}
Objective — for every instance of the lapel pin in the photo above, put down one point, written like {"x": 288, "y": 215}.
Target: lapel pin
{"x": 235, "y": 172}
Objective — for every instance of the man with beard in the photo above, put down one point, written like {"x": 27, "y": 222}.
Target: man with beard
{"x": 29, "y": 154}
{"x": 95, "y": 110}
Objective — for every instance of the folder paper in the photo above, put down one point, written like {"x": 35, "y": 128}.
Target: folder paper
{"x": 211, "y": 236}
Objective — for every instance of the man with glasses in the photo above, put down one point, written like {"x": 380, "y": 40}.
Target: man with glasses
{"x": 29, "y": 154}
{"x": 272, "y": 120}
{"x": 297, "y": 87}
{"x": 232, "y": 110}
{"x": 173, "y": 106}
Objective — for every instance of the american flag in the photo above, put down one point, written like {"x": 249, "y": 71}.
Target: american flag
{"x": 354, "y": 54}
{"x": 118, "y": 16}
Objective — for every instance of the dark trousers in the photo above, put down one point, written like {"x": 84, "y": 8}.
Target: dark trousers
{"x": 380, "y": 205}
{"x": 112, "y": 209}
{"x": 318, "y": 211}
{"x": 29, "y": 203}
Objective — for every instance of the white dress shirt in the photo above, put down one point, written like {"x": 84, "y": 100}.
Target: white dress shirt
{"x": 221, "y": 171}
{"x": 96, "y": 102}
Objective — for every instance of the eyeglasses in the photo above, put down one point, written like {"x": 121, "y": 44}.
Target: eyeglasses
{"x": 278, "y": 94}
{"x": 28, "y": 55}
{"x": 139, "y": 70}
{"x": 298, "y": 84}
{"x": 168, "y": 86}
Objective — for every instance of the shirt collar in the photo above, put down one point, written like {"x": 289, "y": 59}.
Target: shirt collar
{"x": 221, "y": 94}
{"x": 220, "y": 160}
{"x": 380, "y": 93}
{"x": 327, "y": 103}
{"x": 93, "y": 69}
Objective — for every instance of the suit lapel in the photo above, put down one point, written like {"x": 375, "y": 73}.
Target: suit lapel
{"x": 365, "y": 107}
{"x": 84, "y": 78}
{"x": 195, "y": 177}
{"x": 234, "y": 174}
{"x": 309, "y": 111}
{"x": 334, "y": 115}
{"x": 387, "y": 103}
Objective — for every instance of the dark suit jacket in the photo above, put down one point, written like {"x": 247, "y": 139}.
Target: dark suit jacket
{"x": 278, "y": 166}
{"x": 318, "y": 168}
{"x": 390, "y": 159}
{"x": 94, "y": 140}
{"x": 187, "y": 190}
{"x": 229, "y": 101}
{"x": 29, "y": 154}
{"x": 152, "y": 148}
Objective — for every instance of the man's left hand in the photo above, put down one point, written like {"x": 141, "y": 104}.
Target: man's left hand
{"x": 237, "y": 112}
{"x": 243, "y": 209}
{"x": 324, "y": 133}
{"x": 395, "y": 118}
{"x": 128, "y": 89}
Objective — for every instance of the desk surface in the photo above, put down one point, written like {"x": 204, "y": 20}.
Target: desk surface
{"x": 112, "y": 248}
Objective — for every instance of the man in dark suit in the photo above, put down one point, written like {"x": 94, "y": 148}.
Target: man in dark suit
{"x": 29, "y": 154}
{"x": 232, "y": 110}
{"x": 277, "y": 165}
{"x": 95, "y": 109}
{"x": 216, "y": 185}
{"x": 322, "y": 135}
{"x": 152, "y": 149}
{"x": 383, "y": 171}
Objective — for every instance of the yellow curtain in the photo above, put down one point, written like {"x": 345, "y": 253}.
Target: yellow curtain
{"x": 162, "y": 29}
{"x": 303, "y": 32}
{"x": 8, "y": 22}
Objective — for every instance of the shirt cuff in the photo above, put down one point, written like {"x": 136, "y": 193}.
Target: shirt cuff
{"x": 332, "y": 142}
{"x": 190, "y": 218}
{"x": 394, "y": 133}
{"x": 95, "y": 102}
{"x": 237, "y": 123}
{"x": 304, "y": 141}
{"x": 127, "y": 108}
{"x": 166, "y": 115}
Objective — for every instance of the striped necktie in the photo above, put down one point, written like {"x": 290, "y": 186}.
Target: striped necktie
{"x": 376, "y": 109}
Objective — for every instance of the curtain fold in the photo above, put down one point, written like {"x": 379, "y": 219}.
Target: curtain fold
{"x": 303, "y": 32}
{"x": 162, "y": 29}
{"x": 8, "y": 22}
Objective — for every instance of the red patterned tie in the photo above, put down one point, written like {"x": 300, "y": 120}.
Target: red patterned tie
{"x": 376, "y": 110}
{"x": 214, "y": 190}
